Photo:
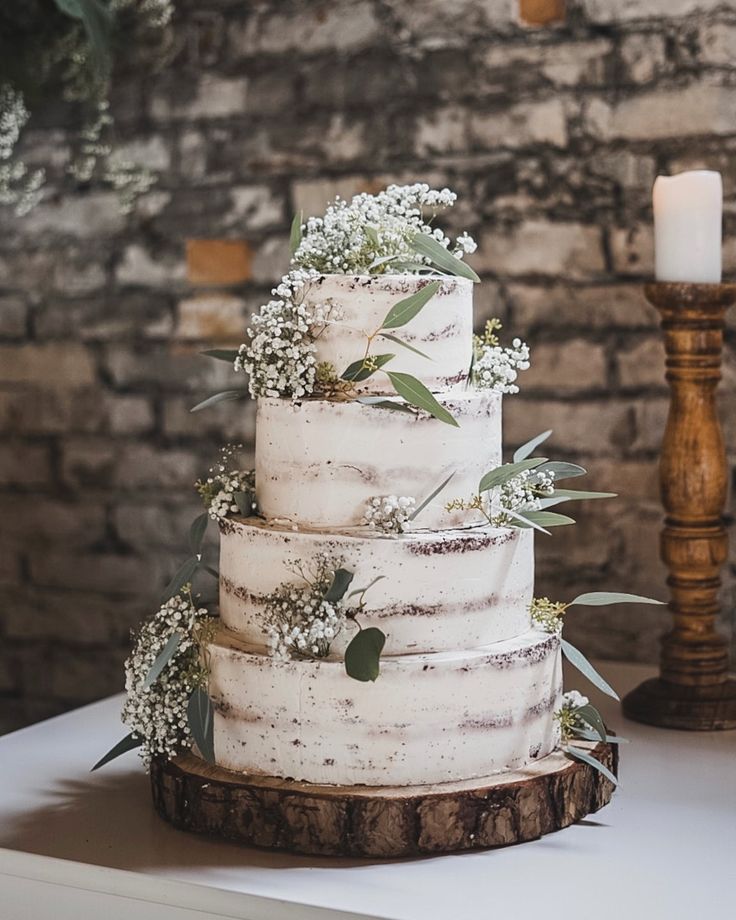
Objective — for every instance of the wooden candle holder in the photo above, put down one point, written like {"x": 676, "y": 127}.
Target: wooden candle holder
{"x": 693, "y": 690}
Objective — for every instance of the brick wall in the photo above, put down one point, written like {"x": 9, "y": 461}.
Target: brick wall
{"x": 551, "y": 129}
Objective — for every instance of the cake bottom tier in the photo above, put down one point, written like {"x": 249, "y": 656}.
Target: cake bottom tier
{"x": 431, "y": 718}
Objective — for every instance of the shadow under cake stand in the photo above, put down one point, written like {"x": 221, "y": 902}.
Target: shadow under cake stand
{"x": 381, "y": 821}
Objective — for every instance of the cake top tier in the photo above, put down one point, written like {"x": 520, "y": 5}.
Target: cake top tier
{"x": 364, "y": 312}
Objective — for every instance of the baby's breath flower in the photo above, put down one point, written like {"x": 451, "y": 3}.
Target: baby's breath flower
{"x": 519, "y": 494}
{"x": 18, "y": 186}
{"x": 496, "y": 367}
{"x": 158, "y": 714}
{"x": 299, "y": 622}
{"x": 547, "y": 615}
{"x": 372, "y": 232}
{"x": 389, "y": 513}
{"x": 220, "y": 489}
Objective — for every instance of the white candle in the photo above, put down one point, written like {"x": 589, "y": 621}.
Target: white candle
{"x": 687, "y": 226}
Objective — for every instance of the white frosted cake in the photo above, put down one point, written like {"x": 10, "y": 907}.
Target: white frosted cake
{"x": 377, "y": 678}
{"x": 467, "y": 686}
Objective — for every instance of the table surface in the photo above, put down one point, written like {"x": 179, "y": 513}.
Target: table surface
{"x": 663, "y": 848}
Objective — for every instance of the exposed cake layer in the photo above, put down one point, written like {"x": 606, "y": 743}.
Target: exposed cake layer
{"x": 426, "y": 719}
{"x": 439, "y": 591}
{"x": 443, "y": 329}
{"x": 319, "y": 462}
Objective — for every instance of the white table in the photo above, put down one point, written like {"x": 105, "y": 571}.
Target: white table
{"x": 80, "y": 845}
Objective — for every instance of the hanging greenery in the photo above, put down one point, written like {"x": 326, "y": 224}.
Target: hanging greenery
{"x": 64, "y": 52}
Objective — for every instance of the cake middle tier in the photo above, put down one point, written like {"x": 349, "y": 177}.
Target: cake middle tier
{"x": 437, "y": 591}
{"x": 426, "y": 719}
{"x": 319, "y": 462}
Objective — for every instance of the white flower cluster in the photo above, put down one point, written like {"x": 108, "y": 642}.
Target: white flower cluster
{"x": 280, "y": 356}
{"x": 521, "y": 493}
{"x": 155, "y": 14}
{"x": 299, "y": 622}
{"x": 496, "y": 367}
{"x": 574, "y": 700}
{"x": 18, "y": 187}
{"x": 218, "y": 491}
{"x": 158, "y": 714}
{"x": 372, "y": 232}
{"x": 389, "y": 513}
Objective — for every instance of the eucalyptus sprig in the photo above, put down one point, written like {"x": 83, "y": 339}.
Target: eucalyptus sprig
{"x": 580, "y": 720}
{"x": 549, "y": 616}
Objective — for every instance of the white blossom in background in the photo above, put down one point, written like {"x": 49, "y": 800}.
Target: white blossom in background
{"x": 19, "y": 187}
{"x": 373, "y": 233}
{"x": 279, "y": 357}
{"x": 158, "y": 714}
{"x": 389, "y": 513}
{"x": 298, "y": 621}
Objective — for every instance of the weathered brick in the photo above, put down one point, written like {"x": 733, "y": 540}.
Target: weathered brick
{"x": 212, "y": 318}
{"x": 563, "y": 306}
{"x": 562, "y": 64}
{"x": 568, "y": 366}
{"x": 644, "y": 56}
{"x": 443, "y": 131}
{"x": 137, "y": 266}
{"x": 642, "y": 365}
{"x": 108, "y": 573}
{"x": 213, "y": 97}
{"x": 610, "y": 11}
{"x": 701, "y": 108}
{"x": 83, "y": 217}
{"x": 650, "y": 417}
{"x": 218, "y": 261}
{"x": 538, "y": 247}
{"x": 24, "y": 464}
{"x": 13, "y": 317}
{"x": 48, "y": 521}
{"x": 596, "y": 428}
{"x": 718, "y": 43}
{"x": 141, "y": 466}
{"x": 632, "y": 250}
{"x": 67, "y": 364}
{"x": 254, "y": 207}
{"x": 522, "y": 125}
{"x": 541, "y": 12}
{"x": 89, "y": 463}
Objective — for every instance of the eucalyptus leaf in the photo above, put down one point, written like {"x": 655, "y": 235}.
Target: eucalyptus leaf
{"x": 211, "y": 571}
{"x": 367, "y": 587}
{"x": 416, "y": 394}
{"x": 548, "y": 518}
{"x": 163, "y": 658}
{"x": 592, "y": 717}
{"x": 224, "y": 396}
{"x": 579, "y": 661}
{"x": 585, "y": 757}
{"x": 200, "y": 717}
{"x": 397, "y": 341}
{"x": 585, "y": 734}
{"x": 442, "y": 258}
{"x": 601, "y": 598}
{"x": 363, "y": 654}
{"x": 372, "y": 235}
{"x": 197, "y": 531}
{"x": 222, "y": 354}
{"x": 183, "y": 576}
{"x": 524, "y": 521}
{"x": 129, "y": 743}
{"x": 361, "y": 370}
{"x": 502, "y": 474}
{"x": 562, "y": 470}
{"x": 380, "y": 402}
{"x": 469, "y": 378}
{"x": 526, "y": 450}
{"x": 295, "y": 234}
{"x": 431, "y": 497}
{"x": 244, "y": 501}
{"x": 340, "y": 583}
{"x": 571, "y": 495}
{"x": 381, "y": 260}
{"x": 405, "y": 310}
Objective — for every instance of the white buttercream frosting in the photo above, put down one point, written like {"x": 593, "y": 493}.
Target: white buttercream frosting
{"x": 319, "y": 462}
{"x": 426, "y": 719}
{"x": 443, "y": 329}
{"x": 439, "y": 591}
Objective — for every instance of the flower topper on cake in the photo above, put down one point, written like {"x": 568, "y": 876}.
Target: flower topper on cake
{"x": 389, "y": 233}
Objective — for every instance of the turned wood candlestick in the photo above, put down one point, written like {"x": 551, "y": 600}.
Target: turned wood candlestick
{"x": 693, "y": 690}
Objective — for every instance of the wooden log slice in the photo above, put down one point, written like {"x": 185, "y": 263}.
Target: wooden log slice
{"x": 381, "y": 821}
